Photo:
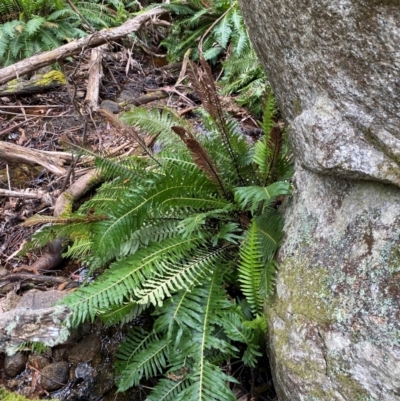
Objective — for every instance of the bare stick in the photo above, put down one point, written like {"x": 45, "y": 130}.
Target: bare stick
{"x": 42, "y": 195}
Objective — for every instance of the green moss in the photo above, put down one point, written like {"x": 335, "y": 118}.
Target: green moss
{"x": 297, "y": 107}
{"x": 350, "y": 389}
{"x": 309, "y": 292}
{"x": 52, "y": 77}
{"x": 8, "y": 396}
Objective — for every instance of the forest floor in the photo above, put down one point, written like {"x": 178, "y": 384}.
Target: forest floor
{"x": 51, "y": 121}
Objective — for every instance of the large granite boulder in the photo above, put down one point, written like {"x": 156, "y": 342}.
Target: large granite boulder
{"x": 335, "y": 320}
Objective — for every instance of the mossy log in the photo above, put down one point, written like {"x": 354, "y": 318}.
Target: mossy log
{"x": 38, "y": 83}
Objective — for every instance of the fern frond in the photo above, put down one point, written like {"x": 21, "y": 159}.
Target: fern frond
{"x": 269, "y": 231}
{"x": 209, "y": 383}
{"x": 168, "y": 390}
{"x": 176, "y": 276}
{"x": 267, "y": 282}
{"x": 222, "y": 31}
{"x": 250, "y": 267}
{"x": 122, "y": 314}
{"x": 152, "y": 122}
{"x": 237, "y": 330}
{"x": 199, "y": 156}
{"x": 251, "y": 198}
{"x": 34, "y": 24}
{"x": 140, "y": 355}
{"x": 119, "y": 283}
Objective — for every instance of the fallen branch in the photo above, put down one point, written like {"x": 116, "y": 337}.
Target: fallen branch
{"x": 52, "y": 161}
{"x": 96, "y": 39}
{"x": 43, "y": 196}
{"x": 52, "y": 258}
{"x": 34, "y": 278}
{"x": 147, "y": 98}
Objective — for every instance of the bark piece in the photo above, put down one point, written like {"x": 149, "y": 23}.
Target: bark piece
{"x": 96, "y": 39}
{"x": 34, "y": 319}
{"x": 95, "y": 77}
{"x": 44, "y": 196}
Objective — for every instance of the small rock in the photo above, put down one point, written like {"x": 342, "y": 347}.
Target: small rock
{"x": 15, "y": 364}
{"x": 110, "y": 106}
{"x": 104, "y": 382}
{"x": 55, "y": 376}
{"x": 38, "y": 361}
{"x": 59, "y": 354}
{"x": 85, "y": 350}
{"x": 127, "y": 94}
{"x": 36, "y": 299}
{"x": 9, "y": 302}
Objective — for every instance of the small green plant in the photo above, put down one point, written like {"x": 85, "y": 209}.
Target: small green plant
{"x": 189, "y": 235}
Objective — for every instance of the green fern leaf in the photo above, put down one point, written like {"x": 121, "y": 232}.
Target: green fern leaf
{"x": 209, "y": 384}
{"x": 121, "y": 313}
{"x": 252, "y": 197}
{"x": 176, "y": 276}
{"x": 168, "y": 390}
{"x": 222, "y": 31}
{"x": 250, "y": 267}
{"x": 269, "y": 231}
{"x": 149, "y": 362}
{"x": 34, "y": 24}
{"x": 119, "y": 283}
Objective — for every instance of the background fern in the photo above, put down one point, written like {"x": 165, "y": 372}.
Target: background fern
{"x": 217, "y": 26}
{"x": 30, "y": 27}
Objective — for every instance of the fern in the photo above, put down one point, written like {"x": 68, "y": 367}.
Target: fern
{"x": 216, "y": 27}
{"x": 177, "y": 231}
{"x": 28, "y": 27}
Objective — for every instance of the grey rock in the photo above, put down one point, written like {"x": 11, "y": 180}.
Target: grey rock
{"x": 34, "y": 319}
{"x": 103, "y": 383}
{"x": 15, "y": 364}
{"x": 335, "y": 66}
{"x": 38, "y": 361}
{"x": 55, "y": 376}
{"x": 85, "y": 350}
{"x": 36, "y": 299}
{"x": 334, "y": 322}
{"x": 128, "y": 94}
{"x": 110, "y": 106}
{"x": 9, "y": 302}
